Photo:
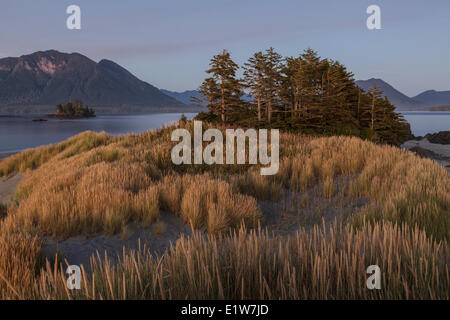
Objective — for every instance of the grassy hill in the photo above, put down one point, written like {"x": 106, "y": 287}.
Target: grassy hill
{"x": 345, "y": 204}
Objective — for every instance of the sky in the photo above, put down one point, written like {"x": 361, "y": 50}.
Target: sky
{"x": 169, "y": 43}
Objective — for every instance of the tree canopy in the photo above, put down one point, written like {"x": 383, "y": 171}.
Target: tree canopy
{"x": 74, "y": 109}
{"x": 306, "y": 94}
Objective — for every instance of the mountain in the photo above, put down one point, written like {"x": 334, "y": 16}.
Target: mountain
{"x": 397, "y": 98}
{"x": 51, "y": 77}
{"x": 434, "y": 98}
{"x": 185, "y": 97}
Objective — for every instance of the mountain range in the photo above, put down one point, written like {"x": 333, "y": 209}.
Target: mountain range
{"x": 47, "y": 78}
{"x": 430, "y": 98}
{"x": 423, "y": 101}
{"x": 185, "y": 96}
{"x": 434, "y": 98}
{"x": 426, "y": 99}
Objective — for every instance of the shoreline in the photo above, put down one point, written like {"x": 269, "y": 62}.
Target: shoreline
{"x": 425, "y": 149}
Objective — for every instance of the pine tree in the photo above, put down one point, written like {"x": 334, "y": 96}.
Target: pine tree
{"x": 272, "y": 66}
{"x": 290, "y": 91}
{"x": 210, "y": 92}
{"x": 59, "y": 109}
{"x": 307, "y": 94}
{"x": 254, "y": 79}
{"x": 375, "y": 96}
{"x": 338, "y": 98}
{"x": 222, "y": 91}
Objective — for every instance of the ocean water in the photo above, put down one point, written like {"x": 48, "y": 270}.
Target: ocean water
{"x": 423, "y": 122}
{"x": 19, "y": 133}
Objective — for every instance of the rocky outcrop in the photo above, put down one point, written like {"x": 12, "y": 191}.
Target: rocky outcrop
{"x": 442, "y": 137}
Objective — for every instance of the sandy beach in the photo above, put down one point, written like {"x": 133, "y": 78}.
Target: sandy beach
{"x": 439, "y": 152}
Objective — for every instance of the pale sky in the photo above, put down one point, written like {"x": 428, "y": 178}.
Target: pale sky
{"x": 168, "y": 43}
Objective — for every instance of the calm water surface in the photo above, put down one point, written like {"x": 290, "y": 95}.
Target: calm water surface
{"x": 19, "y": 133}
{"x": 423, "y": 122}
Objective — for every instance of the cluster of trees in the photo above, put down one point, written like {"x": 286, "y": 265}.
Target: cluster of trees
{"x": 74, "y": 109}
{"x": 305, "y": 93}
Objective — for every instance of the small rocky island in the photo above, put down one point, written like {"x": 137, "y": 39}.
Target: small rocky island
{"x": 72, "y": 110}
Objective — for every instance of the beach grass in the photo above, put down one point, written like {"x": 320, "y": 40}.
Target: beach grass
{"x": 95, "y": 183}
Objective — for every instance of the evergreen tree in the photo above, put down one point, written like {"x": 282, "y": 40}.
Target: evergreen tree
{"x": 338, "y": 98}
{"x": 75, "y": 109}
{"x": 68, "y": 108}
{"x": 375, "y": 97}
{"x": 222, "y": 91}
{"x": 307, "y": 94}
{"x": 271, "y": 82}
{"x": 59, "y": 109}
{"x": 254, "y": 80}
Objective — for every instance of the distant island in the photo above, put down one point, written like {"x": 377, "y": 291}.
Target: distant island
{"x": 72, "y": 110}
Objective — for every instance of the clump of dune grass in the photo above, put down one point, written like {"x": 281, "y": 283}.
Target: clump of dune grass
{"x": 146, "y": 208}
{"x": 207, "y": 203}
{"x": 261, "y": 187}
{"x": 74, "y": 200}
{"x": 327, "y": 264}
{"x": 20, "y": 262}
{"x": 328, "y": 187}
{"x": 171, "y": 192}
{"x": 403, "y": 188}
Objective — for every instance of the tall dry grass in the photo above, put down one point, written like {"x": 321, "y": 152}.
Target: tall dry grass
{"x": 33, "y": 158}
{"x": 73, "y": 200}
{"x": 94, "y": 183}
{"x": 327, "y": 264}
{"x": 207, "y": 203}
{"x": 20, "y": 263}
{"x": 403, "y": 187}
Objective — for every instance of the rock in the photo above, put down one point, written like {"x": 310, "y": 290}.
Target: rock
{"x": 442, "y": 137}
{"x": 424, "y": 153}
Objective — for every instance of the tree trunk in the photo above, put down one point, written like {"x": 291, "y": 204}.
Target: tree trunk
{"x": 259, "y": 108}
{"x": 357, "y": 110}
{"x": 223, "y": 106}
{"x": 373, "y": 113}
{"x": 293, "y": 108}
